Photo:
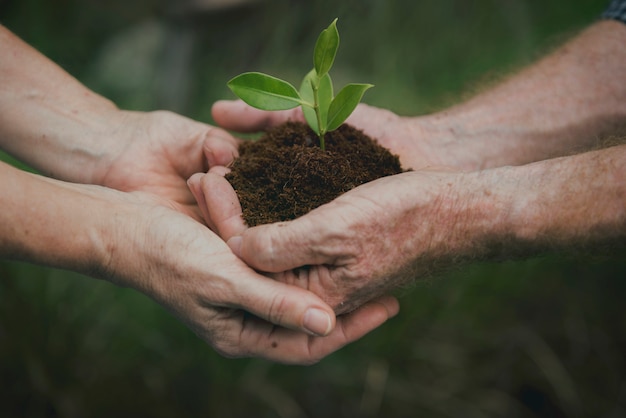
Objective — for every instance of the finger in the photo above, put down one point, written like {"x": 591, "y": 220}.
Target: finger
{"x": 238, "y": 116}
{"x": 288, "y": 306}
{"x": 359, "y": 322}
{"x": 219, "y": 147}
{"x": 194, "y": 184}
{"x": 219, "y": 170}
{"x": 284, "y": 246}
{"x": 287, "y": 346}
{"x": 222, "y": 205}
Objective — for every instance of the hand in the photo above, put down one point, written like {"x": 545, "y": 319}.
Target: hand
{"x": 140, "y": 238}
{"x": 374, "y": 238}
{"x": 237, "y": 311}
{"x": 65, "y": 131}
{"x": 132, "y": 240}
{"x": 156, "y": 153}
{"x": 412, "y": 139}
{"x": 234, "y": 309}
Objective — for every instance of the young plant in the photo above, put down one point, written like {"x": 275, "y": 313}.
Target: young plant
{"x": 322, "y": 110}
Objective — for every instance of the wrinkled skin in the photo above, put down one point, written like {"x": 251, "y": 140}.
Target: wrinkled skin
{"x": 195, "y": 275}
{"x": 349, "y": 251}
{"x": 353, "y": 249}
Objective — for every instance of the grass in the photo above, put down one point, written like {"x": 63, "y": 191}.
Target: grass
{"x": 540, "y": 338}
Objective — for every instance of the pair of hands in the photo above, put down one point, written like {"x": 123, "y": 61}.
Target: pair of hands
{"x": 204, "y": 283}
{"x": 351, "y": 250}
{"x": 384, "y": 233}
{"x": 354, "y": 249}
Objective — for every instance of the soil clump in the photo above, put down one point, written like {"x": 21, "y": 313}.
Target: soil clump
{"x": 285, "y": 174}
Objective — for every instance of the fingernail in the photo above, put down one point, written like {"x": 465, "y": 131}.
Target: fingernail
{"x": 235, "y": 245}
{"x": 317, "y": 322}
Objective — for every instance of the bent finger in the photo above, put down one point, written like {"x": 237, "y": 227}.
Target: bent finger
{"x": 194, "y": 185}
{"x": 220, "y": 148}
{"x": 222, "y": 205}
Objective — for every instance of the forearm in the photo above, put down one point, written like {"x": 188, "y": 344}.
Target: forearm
{"x": 568, "y": 205}
{"x": 47, "y": 118}
{"x": 574, "y": 204}
{"x": 52, "y": 223}
{"x": 570, "y": 101}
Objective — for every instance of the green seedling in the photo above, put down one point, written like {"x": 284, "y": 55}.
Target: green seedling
{"x": 323, "y": 111}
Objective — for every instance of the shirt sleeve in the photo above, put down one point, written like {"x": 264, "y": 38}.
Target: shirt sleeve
{"x": 616, "y": 11}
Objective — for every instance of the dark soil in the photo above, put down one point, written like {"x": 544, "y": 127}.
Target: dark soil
{"x": 285, "y": 174}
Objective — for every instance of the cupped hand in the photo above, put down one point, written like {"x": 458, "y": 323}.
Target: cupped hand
{"x": 409, "y": 138}
{"x": 360, "y": 246}
{"x": 165, "y": 254}
{"x": 193, "y": 273}
{"x": 156, "y": 152}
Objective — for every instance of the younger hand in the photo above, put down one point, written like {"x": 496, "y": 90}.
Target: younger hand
{"x": 156, "y": 152}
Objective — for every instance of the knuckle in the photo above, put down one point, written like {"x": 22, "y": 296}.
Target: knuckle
{"x": 228, "y": 343}
{"x": 277, "y": 308}
{"x": 261, "y": 249}
{"x": 228, "y": 349}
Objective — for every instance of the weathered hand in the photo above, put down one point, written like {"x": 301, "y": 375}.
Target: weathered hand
{"x": 190, "y": 271}
{"x": 158, "y": 151}
{"x": 375, "y": 238}
{"x": 237, "y": 311}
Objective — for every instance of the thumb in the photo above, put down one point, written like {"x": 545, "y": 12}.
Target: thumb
{"x": 284, "y": 305}
{"x": 283, "y": 246}
{"x": 238, "y": 116}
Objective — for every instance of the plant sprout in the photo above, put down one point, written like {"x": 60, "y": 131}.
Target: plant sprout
{"x": 322, "y": 110}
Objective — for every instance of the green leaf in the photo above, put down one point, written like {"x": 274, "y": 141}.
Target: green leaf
{"x": 324, "y": 94}
{"x": 326, "y": 49}
{"x": 265, "y": 92}
{"x": 344, "y": 104}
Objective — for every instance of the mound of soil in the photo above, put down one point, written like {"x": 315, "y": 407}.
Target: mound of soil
{"x": 285, "y": 174}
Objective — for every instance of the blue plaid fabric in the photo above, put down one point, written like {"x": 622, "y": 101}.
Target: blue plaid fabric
{"x": 616, "y": 10}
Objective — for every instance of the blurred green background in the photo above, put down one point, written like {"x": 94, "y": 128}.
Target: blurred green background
{"x": 540, "y": 338}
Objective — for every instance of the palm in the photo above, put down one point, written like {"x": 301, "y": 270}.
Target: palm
{"x": 165, "y": 151}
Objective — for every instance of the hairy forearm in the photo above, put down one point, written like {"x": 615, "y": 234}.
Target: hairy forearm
{"x": 572, "y": 100}
{"x": 47, "y": 118}
{"x": 567, "y": 205}
{"x": 573, "y": 204}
